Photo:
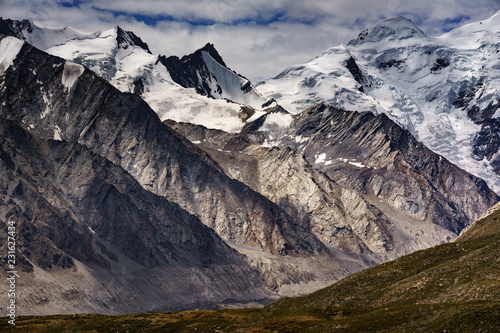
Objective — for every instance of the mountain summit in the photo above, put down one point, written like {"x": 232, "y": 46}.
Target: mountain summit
{"x": 399, "y": 28}
{"x": 442, "y": 89}
{"x": 127, "y": 39}
{"x": 205, "y": 71}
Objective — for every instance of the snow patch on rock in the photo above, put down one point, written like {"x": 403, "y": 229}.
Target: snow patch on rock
{"x": 320, "y": 158}
{"x": 280, "y": 120}
{"x": 9, "y": 49}
{"x": 71, "y": 73}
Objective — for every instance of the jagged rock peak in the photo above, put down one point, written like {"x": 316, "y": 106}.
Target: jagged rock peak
{"x": 394, "y": 28}
{"x": 210, "y": 49}
{"x": 14, "y": 27}
{"x": 125, "y": 38}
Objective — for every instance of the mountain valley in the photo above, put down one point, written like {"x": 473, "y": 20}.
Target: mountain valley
{"x": 141, "y": 183}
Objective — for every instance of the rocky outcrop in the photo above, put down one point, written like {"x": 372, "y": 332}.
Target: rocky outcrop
{"x": 358, "y": 181}
{"x": 206, "y": 71}
{"x": 191, "y": 70}
{"x": 373, "y": 155}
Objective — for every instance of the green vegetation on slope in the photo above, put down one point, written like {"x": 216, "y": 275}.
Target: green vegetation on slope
{"x": 477, "y": 316}
{"x": 454, "y": 272}
{"x": 488, "y": 224}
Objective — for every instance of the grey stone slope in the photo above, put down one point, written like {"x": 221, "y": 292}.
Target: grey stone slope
{"x": 91, "y": 239}
{"x": 123, "y": 129}
{"x": 358, "y": 181}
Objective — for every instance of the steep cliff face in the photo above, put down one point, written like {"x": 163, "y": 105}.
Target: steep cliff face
{"x": 358, "y": 181}
{"x": 373, "y": 155}
{"x": 89, "y": 237}
{"x": 72, "y": 104}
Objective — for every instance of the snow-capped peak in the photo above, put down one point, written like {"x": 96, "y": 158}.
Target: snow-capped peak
{"x": 40, "y": 37}
{"x": 221, "y": 98}
{"x": 210, "y": 49}
{"x": 392, "y": 29}
{"x": 128, "y": 38}
{"x": 444, "y": 90}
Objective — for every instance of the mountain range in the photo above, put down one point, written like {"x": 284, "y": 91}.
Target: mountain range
{"x": 177, "y": 183}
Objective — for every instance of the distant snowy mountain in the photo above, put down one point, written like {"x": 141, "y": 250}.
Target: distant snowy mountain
{"x": 197, "y": 88}
{"x": 205, "y": 71}
{"x": 445, "y": 89}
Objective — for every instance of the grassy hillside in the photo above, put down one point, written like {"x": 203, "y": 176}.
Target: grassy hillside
{"x": 487, "y": 225}
{"x": 449, "y": 288}
{"x": 456, "y": 272}
{"x": 479, "y": 316}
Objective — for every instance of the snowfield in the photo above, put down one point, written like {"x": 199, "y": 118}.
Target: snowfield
{"x": 417, "y": 80}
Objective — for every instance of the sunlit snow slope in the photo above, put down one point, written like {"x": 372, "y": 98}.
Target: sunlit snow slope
{"x": 125, "y": 60}
{"x": 445, "y": 90}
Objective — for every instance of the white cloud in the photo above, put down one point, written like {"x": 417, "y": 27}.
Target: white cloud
{"x": 257, "y": 38}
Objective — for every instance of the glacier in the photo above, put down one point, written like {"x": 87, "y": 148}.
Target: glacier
{"x": 442, "y": 89}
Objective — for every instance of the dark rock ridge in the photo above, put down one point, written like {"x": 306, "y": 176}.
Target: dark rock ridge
{"x": 15, "y": 28}
{"x": 356, "y": 72}
{"x": 360, "y": 182}
{"x": 72, "y": 205}
{"x": 191, "y": 70}
{"x": 214, "y": 80}
{"x": 128, "y": 38}
{"x": 123, "y": 129}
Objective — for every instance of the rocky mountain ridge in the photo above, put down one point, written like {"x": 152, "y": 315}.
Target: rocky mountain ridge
{"x": 361, "y": 183}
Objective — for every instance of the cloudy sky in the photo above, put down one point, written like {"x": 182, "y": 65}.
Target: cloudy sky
{"x": 256, "y": 38}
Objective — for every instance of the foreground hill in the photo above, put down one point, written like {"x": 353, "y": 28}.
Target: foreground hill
{"x": 451, "y": 287}
{"x": 462, "y": 271}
